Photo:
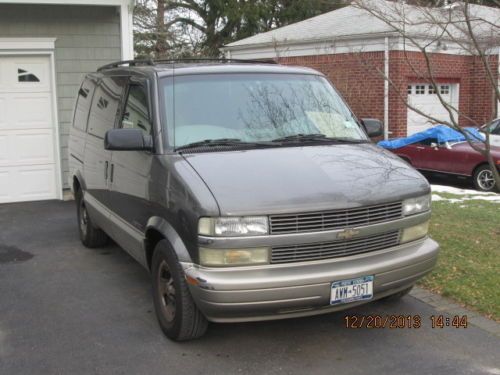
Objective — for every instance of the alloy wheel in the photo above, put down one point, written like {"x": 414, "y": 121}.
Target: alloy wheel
{"x": 166, "y": 290}
{"x": 485, "y": 180}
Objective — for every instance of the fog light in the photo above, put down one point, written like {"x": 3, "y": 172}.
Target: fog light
{"x": 234, "y": 257}
{"x": 414, "y": 233}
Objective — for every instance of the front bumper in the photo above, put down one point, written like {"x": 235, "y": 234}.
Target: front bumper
{"x": 290, "y": 290}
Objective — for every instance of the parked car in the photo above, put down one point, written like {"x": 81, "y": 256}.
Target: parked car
{"x": 249, "y": 191}
{"x": 494, "y": 129}
{"x": 444, "y": 150}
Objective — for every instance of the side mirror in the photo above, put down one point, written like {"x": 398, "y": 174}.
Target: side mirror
{"x": 127, "y": 140}
{"x": 373, "y": 127}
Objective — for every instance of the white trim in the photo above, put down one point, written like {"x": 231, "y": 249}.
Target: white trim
{"x": 42, "y": 50}
{"x": 344, "y": 44}
{"x": 70, "y": 2}
{"x": 386, "y": 89}
{"x": 127, "y": 31}
{"x": 17, "y": 44}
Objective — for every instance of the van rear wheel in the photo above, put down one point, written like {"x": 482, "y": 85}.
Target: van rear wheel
{"x": 177, "y": 314}
{"x": 90, "y": 235}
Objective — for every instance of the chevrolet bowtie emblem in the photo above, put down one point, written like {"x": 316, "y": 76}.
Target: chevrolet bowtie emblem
{"x": 347, "y": 234}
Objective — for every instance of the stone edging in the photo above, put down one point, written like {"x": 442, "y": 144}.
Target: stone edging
{"x": 444, "y": 305}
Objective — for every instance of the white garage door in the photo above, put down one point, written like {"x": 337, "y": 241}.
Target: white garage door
{"x": 423, "y": 97}
{"x": 27, "y": 149}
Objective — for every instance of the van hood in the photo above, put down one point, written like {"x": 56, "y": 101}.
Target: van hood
{"x": 307, "y": 178}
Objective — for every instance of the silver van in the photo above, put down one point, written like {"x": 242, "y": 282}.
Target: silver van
{"x": 248, "y": 190}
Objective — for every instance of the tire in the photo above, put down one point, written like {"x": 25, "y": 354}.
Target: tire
{"x": 397, "y": 296}
{"x": 483, "y": 179}
{"x": 178, "y": 316}
{"x": 90, "y": 235}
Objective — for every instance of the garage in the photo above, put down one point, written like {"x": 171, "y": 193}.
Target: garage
{"x": 28, "y": 138}
{"x": 423, "y": 97}
{"x": 46, "y": 49}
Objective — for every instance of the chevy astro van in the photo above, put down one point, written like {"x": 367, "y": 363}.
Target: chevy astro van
{"x": 248, "y": 190}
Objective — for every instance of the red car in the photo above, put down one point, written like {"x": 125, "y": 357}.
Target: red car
{"x": 458, "y": 159}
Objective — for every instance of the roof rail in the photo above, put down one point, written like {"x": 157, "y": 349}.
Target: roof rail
{"x": 152, "y": 62}
{"x": 116, "y": 64}
{"x": 212, "y": 59}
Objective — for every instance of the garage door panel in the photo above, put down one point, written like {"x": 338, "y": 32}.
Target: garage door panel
{"x": 36, "y": 182}
{"x": 27, "y": 183}
{"x": 423, "y": 97}
{"x": 26, "y": 147}
{"x": 35, "y": 148}
{"x": 26, "y": 111}
{"x": 27, "y": 130}
{"x": 24, "y": 74}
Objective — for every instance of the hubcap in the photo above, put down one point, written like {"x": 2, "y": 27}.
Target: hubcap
{"x": 166, "y": 291}
{"x": 84, "y": 218}
{"x": 485, "y": 180}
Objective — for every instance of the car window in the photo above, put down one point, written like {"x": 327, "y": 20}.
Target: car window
{"x": 495, "y": 128}
{"x": 428, "y": 142}
{"x": 106, "y": 105}
{"x": 83, "y": 102}
{"x": 136, "y": 113}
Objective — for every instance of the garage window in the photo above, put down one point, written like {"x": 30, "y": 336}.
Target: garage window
{"x": 25, "y": 76}
{"x": 432, "y": 91}
{"x": 444, "y": 89}
{"x": 420, "y": 89}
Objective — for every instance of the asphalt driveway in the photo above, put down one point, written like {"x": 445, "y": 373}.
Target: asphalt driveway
{"x": 65, "y": 309}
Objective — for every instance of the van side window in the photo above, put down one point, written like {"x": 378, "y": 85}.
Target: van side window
{"x": 83, "y": 104}
{"x": 136, "y": 113}
{"x": 106, "y": 105}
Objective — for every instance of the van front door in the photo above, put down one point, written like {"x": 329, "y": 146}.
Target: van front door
{"x": 130, "y": 200}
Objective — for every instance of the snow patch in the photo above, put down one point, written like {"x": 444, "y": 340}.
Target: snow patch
{"x": 462, "y": 195}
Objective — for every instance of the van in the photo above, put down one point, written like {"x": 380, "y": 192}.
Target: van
{"x": 249, "y": 191}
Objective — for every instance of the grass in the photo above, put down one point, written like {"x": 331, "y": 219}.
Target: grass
{"x": 468, "y": 269}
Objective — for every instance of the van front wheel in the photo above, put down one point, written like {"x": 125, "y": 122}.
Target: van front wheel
{"x": 177, "y": 314}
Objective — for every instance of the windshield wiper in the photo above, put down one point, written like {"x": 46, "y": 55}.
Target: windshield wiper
{"x": 222, "y": 142}
{"x": 316, "y": 138}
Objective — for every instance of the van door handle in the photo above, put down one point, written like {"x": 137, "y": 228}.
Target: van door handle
{"x": 112, "y": 172}
{"x": 106, "y": 164}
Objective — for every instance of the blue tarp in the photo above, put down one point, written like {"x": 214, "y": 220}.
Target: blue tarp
{"x": 442, "y": 133}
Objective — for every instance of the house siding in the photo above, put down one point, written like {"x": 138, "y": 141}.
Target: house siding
{"x": 358, "y": 77}
{"x": 86, "y": 38}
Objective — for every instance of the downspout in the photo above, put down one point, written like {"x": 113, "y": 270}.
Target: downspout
{"x": 497, "y": 115}
{"x": 386, "y": 88}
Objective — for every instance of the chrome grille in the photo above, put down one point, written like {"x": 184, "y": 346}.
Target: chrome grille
{"x": 334, "y": 249}
{"x": 337, "y": 219}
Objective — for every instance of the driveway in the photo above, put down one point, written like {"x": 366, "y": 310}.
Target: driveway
{"x": 65, "y": 309}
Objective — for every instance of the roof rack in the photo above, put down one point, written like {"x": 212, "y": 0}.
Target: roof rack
{"x": 116, "y": 64}
{"x": 152, "y": 62}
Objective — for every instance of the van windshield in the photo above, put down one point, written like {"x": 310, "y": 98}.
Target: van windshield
{"x": 255, "y": 108}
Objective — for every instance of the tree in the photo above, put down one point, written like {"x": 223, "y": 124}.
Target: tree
{"x": 475, "y": 30}
{"x": 222, "y": 21}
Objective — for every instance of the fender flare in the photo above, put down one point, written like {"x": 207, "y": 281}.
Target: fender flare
{"x": 78, "y": 176}
{"x": 167, "y": 230}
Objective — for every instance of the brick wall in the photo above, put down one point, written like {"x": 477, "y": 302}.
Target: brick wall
{"x": 357, "y": 77}
{"x": 354, "y": 75}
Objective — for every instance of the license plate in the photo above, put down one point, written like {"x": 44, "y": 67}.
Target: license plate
{"x": 346, "y": 291}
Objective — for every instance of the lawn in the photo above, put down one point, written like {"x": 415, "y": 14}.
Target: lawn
{"x": 468, "y": 268}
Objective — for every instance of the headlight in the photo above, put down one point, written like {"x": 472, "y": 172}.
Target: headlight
{"x": 416, "y": 205}
{"x": 234, "y": 257}
{"x": 233, "y": 226}
{"x": 414, "y": 233}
